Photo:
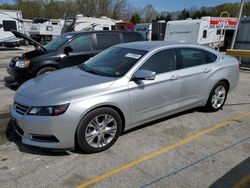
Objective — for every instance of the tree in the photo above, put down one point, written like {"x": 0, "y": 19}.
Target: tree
{"x": 135, "y": 19}
{"x": 52, "y": 10}
{"x": 183, "y": 15}
{"x": 166, "y": 18}
{"x": 103, "y": 7}
{"x": 87, "y": 7}
{"x": 31, "y": 9}
{"x": 150, "y": 13}
{"x": 118, "y": 7}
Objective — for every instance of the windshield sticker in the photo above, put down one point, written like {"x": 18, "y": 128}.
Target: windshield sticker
{"x": 131, "y": 55}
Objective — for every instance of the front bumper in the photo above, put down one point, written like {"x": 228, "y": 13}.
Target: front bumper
{"x": 20, "y": 74}
{"x": 52, "y": 132}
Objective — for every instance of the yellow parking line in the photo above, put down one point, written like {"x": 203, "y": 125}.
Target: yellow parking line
{"x": 243, "y": 182}
{"x": 161, "y": 151}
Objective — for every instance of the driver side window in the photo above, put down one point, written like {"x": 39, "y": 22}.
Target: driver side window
{"x": 161, "y": 62}
{"x": 82, "y": 43}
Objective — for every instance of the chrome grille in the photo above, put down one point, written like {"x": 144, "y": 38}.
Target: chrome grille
{"x": 21, "y": 109}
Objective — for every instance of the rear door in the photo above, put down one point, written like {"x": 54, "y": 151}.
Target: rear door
{"x": 152, "y": 98}
{"x": 196, "y": 74}
{"x": 83, "y": 49}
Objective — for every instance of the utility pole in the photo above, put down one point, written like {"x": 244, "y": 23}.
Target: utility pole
{"x": 238, "y": 23}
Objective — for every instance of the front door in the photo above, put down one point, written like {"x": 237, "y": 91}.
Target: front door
{"x": 82, "y": 50}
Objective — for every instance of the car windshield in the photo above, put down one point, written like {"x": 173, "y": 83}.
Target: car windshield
{"x": 58, "y": 42}
{"x": 113, "y": 62}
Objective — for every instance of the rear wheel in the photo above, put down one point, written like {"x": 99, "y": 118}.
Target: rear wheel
{"x": 45, "y": 70}
{"x": 99, "y": 130}
{"x": 217, "y": 97}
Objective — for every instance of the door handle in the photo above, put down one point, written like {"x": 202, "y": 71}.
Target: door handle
{"x": 206, "y": 70}
{"x": 174, "y": 77}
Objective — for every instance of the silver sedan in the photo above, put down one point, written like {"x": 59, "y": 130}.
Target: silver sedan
{"x": 124, "y": 86}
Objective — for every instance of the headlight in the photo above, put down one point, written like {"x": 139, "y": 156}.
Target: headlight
{"x": 22, "y": 63}
{"x": 48, "y": 110}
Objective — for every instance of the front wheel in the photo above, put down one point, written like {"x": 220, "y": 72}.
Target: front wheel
{"x": 99, "y": 130}
{"x": 217, "y": 97}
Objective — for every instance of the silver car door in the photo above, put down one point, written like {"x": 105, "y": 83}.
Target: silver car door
{"x": 150, "y": 99}
{"x": 196, "y": 76}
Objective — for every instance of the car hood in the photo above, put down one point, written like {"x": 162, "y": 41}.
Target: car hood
{"x": 64, "y": 84}
{"x": 25, "y": 37}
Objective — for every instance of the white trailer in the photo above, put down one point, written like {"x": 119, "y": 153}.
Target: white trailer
{"x": 44, "y": 30}
{"x": 195, "y": 31}
{"x": 27, "y": 25}
{"x": 10, "y": 20}
{"x": 81, "y": 23}
{"x": 145, "y": 29}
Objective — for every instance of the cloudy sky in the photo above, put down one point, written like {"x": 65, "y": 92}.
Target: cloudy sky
{"x": 168, "y": 5}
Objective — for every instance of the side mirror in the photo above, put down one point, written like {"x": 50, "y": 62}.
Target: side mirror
{"x": 144, "y": 75}
{"x": 67, "y": 50}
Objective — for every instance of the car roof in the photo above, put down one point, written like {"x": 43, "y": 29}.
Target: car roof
{"x": 100, "y": 31}
{"x": 152, "y": 45}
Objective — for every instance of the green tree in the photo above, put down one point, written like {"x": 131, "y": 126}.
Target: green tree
{"x": 52, "y": 10}
{"x": 31, "y": 9}
{"x": 136, "y": 18}
{"x": 166, "y": 18}
{"x": 183, "y": 15}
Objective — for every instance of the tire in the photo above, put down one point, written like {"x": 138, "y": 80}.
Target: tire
{"x": 45, "y": 70}
{"x": 93, "y": 135}
{"x": 217, "y": 97}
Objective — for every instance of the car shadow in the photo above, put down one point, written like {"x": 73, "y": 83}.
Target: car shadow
{"x": 10, "y": 83}
{"x": 239, "y": 176}
{"x": 198, "y": 109}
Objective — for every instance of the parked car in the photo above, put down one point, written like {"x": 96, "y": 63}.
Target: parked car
{"x": 69, "y": 49}
{"x": 122, "y": 87}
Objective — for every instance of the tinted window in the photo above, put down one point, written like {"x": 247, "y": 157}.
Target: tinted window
{"x": 106, "y": 40}
{"x": 130, "y": 37}
{"x": 113, "y": 62}
{"x": 204, "y": 34}
{"x": 211, "y": 57}
{"x": 194, "y": 57}
{"x": 58, "y": 42}
{"x": 163, "y": 61}
{"x": 9, "y": 25}
{"x": 82, "y": 43}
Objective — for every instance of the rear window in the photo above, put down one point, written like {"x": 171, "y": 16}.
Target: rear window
{"x": 106, "y": 40}
{"x": 9, "y": 25}
{"x": 194, "y": 57}
{"x": 130, "y": 37}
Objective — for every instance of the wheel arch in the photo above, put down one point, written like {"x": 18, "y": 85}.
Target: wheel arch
{"x": 226, "y": 82}
{"x": 117, "y": 109}
{"x": 42, "y": 65}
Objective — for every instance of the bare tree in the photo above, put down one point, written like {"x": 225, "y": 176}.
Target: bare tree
{"x": 118, "y": 8}
{"x": 150, "y": 13}
{"x": 103, "y": 7}
{"x": 87, "y": 7}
